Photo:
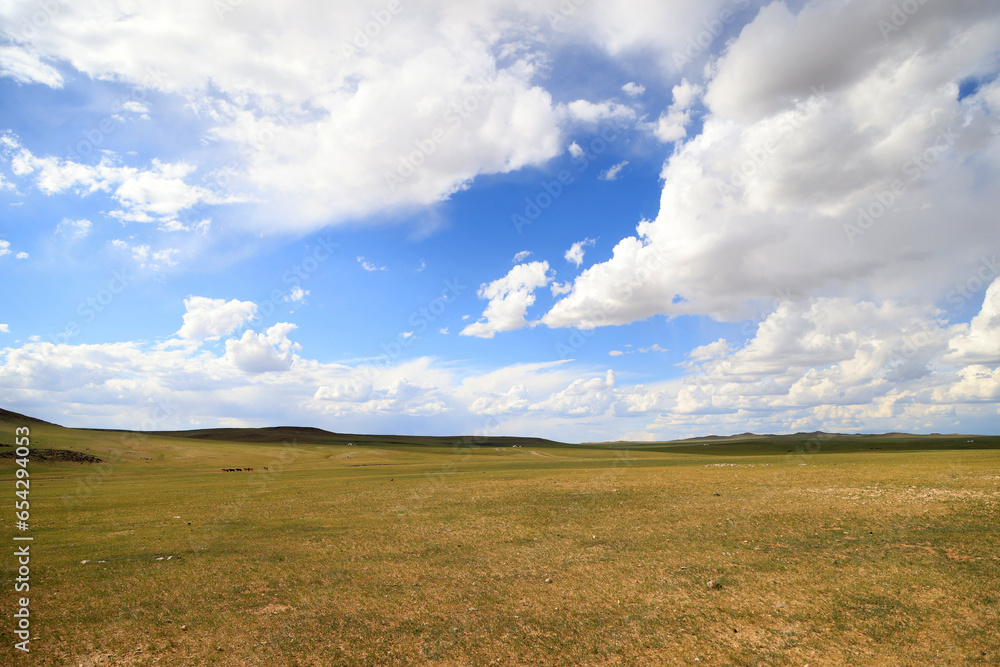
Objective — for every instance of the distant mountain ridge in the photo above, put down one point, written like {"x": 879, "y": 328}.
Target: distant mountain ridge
{"x": 313, "y": 435}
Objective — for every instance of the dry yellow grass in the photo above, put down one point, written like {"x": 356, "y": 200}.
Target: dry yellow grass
{"x": 505, "y": 557}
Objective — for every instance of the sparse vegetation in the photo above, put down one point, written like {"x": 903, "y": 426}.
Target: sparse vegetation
{"x": 875, "y": 550}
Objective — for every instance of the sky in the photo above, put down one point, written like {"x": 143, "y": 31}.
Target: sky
{"x": 577, "y": 219}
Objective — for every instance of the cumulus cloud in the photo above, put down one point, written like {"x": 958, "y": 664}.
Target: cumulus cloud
{"x": 264, "y": 352}
{"x": 210, "y": 319}
{"x": 979, "y": 341}
{"x": 672, "y": 123}
{"x": 849, "y": 165}
{"x": 560, "y": 288}
{"x": 582, "y": 398}
{"x": 824, "y": 359}
{"x": 575, "y": 253}
{"x": 298, "y": 93}
{"x": 157, "y": 194}
{"x": 709, "y": 351}
{"x": 4, "y": 328}
{"x": 297, "y": 295}
{"x": 814, "y": 363}
{"x": 633, "y": 89}
{"x": 509, "y": 299}
{"x": 4, "y": 247}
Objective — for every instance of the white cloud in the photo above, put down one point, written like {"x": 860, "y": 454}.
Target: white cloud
{"x": 466, "y": 74}
{"x": 157, "y": 194}
{"x": 816, "y": 363}
{"x": 672, "y": 123}
{"x": 575, "y": 150}
{"x": 509, "y": 300}
{"x": 73, "y": 229}
{"x": 25, "y": 67}
{"x": 515, "y": 399}
{"x": 4, "y": 328}
{"x": 265, "y": 352}
{"x": 559, "y": 289}
{"x": 443, "y": 330}
{"x": 210, "y": 319}
{"x": 979, "y": 341}
{"x": 747, "y": 203}
{"x": 582, "y": 398}
{"x": 709, "y": 351}
{"x": 368, "y": 266}
{"x": 297, "y": 295}
{"x": 136, "y": 107}
{"x": 611, "y": 173}
{"x": 591, "y": 113}
{"x": 4, "y": 247}
{"x": 147, "y": 258}
{"x": 633, "y": 89}
{"x": 575, "y": 254}
{"x": 823, "y": 358}
{"x": 521, "y": 256}
{"x": 655, "y": 347}
{"x": 21, "y": 255}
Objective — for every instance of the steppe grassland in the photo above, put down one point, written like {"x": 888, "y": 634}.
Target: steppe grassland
{"x": 373, "y": 555}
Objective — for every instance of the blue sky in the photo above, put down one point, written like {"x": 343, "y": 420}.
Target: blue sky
{"x": 578, "y": 219}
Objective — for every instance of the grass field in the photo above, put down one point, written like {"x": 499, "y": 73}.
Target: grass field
{"x": 876, "y": 550}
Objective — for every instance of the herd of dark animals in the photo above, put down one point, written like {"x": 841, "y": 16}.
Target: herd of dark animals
{"x": 240, "y": 469}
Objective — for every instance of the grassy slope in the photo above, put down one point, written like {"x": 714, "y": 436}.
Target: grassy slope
{"x": 400, "y": 554}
